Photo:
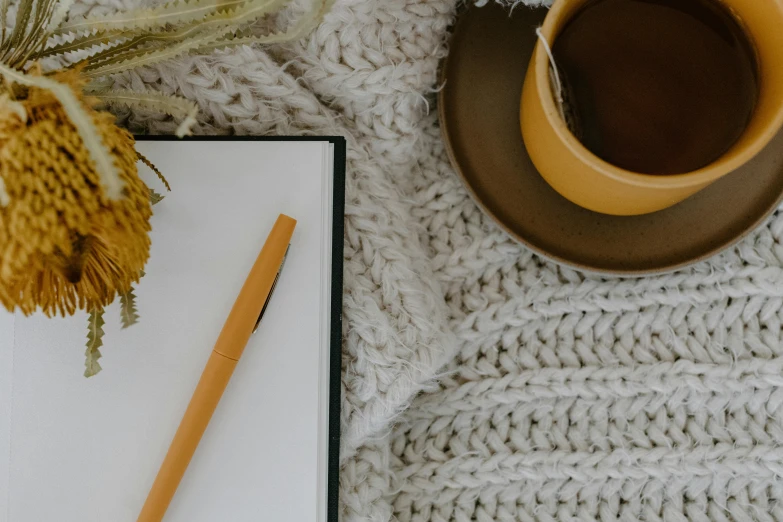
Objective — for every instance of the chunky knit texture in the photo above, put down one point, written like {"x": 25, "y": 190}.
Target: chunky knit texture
{"x": 481, "y": 383}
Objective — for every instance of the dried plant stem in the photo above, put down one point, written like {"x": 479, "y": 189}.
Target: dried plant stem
{"x": 154, "y": 169}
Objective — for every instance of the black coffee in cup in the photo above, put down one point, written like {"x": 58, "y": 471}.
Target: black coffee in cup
{"x": 657, "y": 86}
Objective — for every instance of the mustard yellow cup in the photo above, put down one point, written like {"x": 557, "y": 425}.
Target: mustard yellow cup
{"x": 590, "y": 182}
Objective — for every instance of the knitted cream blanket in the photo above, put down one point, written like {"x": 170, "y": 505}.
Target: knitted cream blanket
{"x": 480, "y": 382}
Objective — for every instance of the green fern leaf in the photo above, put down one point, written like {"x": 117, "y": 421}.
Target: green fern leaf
{"x": 175, "y": 106}
{"x": 87, "y": 43}
{"x": 30, "y": 36}
{"x": 141, "y": 57}
{"x": 173, "y": 14}
{"x": 298, "y": 30}
{"x": 22, "y": 18}
{"x": 179, "y": 41}
{"x": 37, "y": 35}
{"x": 155, "y": 197}
{"x": 128, "y": 312}
{"x": 115, "y": 47}
{"x": 94, "y": 342}
{"x": 108, "y": 43}
{"x": 4, "y": 19}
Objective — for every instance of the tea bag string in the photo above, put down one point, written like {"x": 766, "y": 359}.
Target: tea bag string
{"x": 553, "y": 68}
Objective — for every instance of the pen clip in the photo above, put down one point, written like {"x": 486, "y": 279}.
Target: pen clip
{"x": 271, "y": 290}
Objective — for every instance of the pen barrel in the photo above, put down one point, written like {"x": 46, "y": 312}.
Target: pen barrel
{"x": 227, "y": 351}
{"x": 256, "y": 290}
{"x": 206, "y": 397}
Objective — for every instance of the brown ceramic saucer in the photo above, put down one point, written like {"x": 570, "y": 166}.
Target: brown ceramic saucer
{"x": 479, "y": 115}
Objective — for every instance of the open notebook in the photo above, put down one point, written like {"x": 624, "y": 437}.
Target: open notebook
{"x": 74, "y": 449}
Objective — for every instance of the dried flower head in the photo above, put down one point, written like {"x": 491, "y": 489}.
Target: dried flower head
{"x": 64, "y": 244}
{"x": 74, "y": 215}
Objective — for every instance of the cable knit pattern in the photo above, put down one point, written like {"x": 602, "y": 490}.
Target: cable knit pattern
{"x": 481, "y": 383}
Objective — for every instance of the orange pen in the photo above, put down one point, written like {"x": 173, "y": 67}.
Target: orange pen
{"x": 240, "y": 324}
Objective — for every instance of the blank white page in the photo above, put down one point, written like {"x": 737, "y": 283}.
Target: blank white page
{"x": 6, "y": 371}
{"x": 87, "y": 450}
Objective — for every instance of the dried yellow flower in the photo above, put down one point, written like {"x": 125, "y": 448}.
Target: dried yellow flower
{"x": 63, "y": 243}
